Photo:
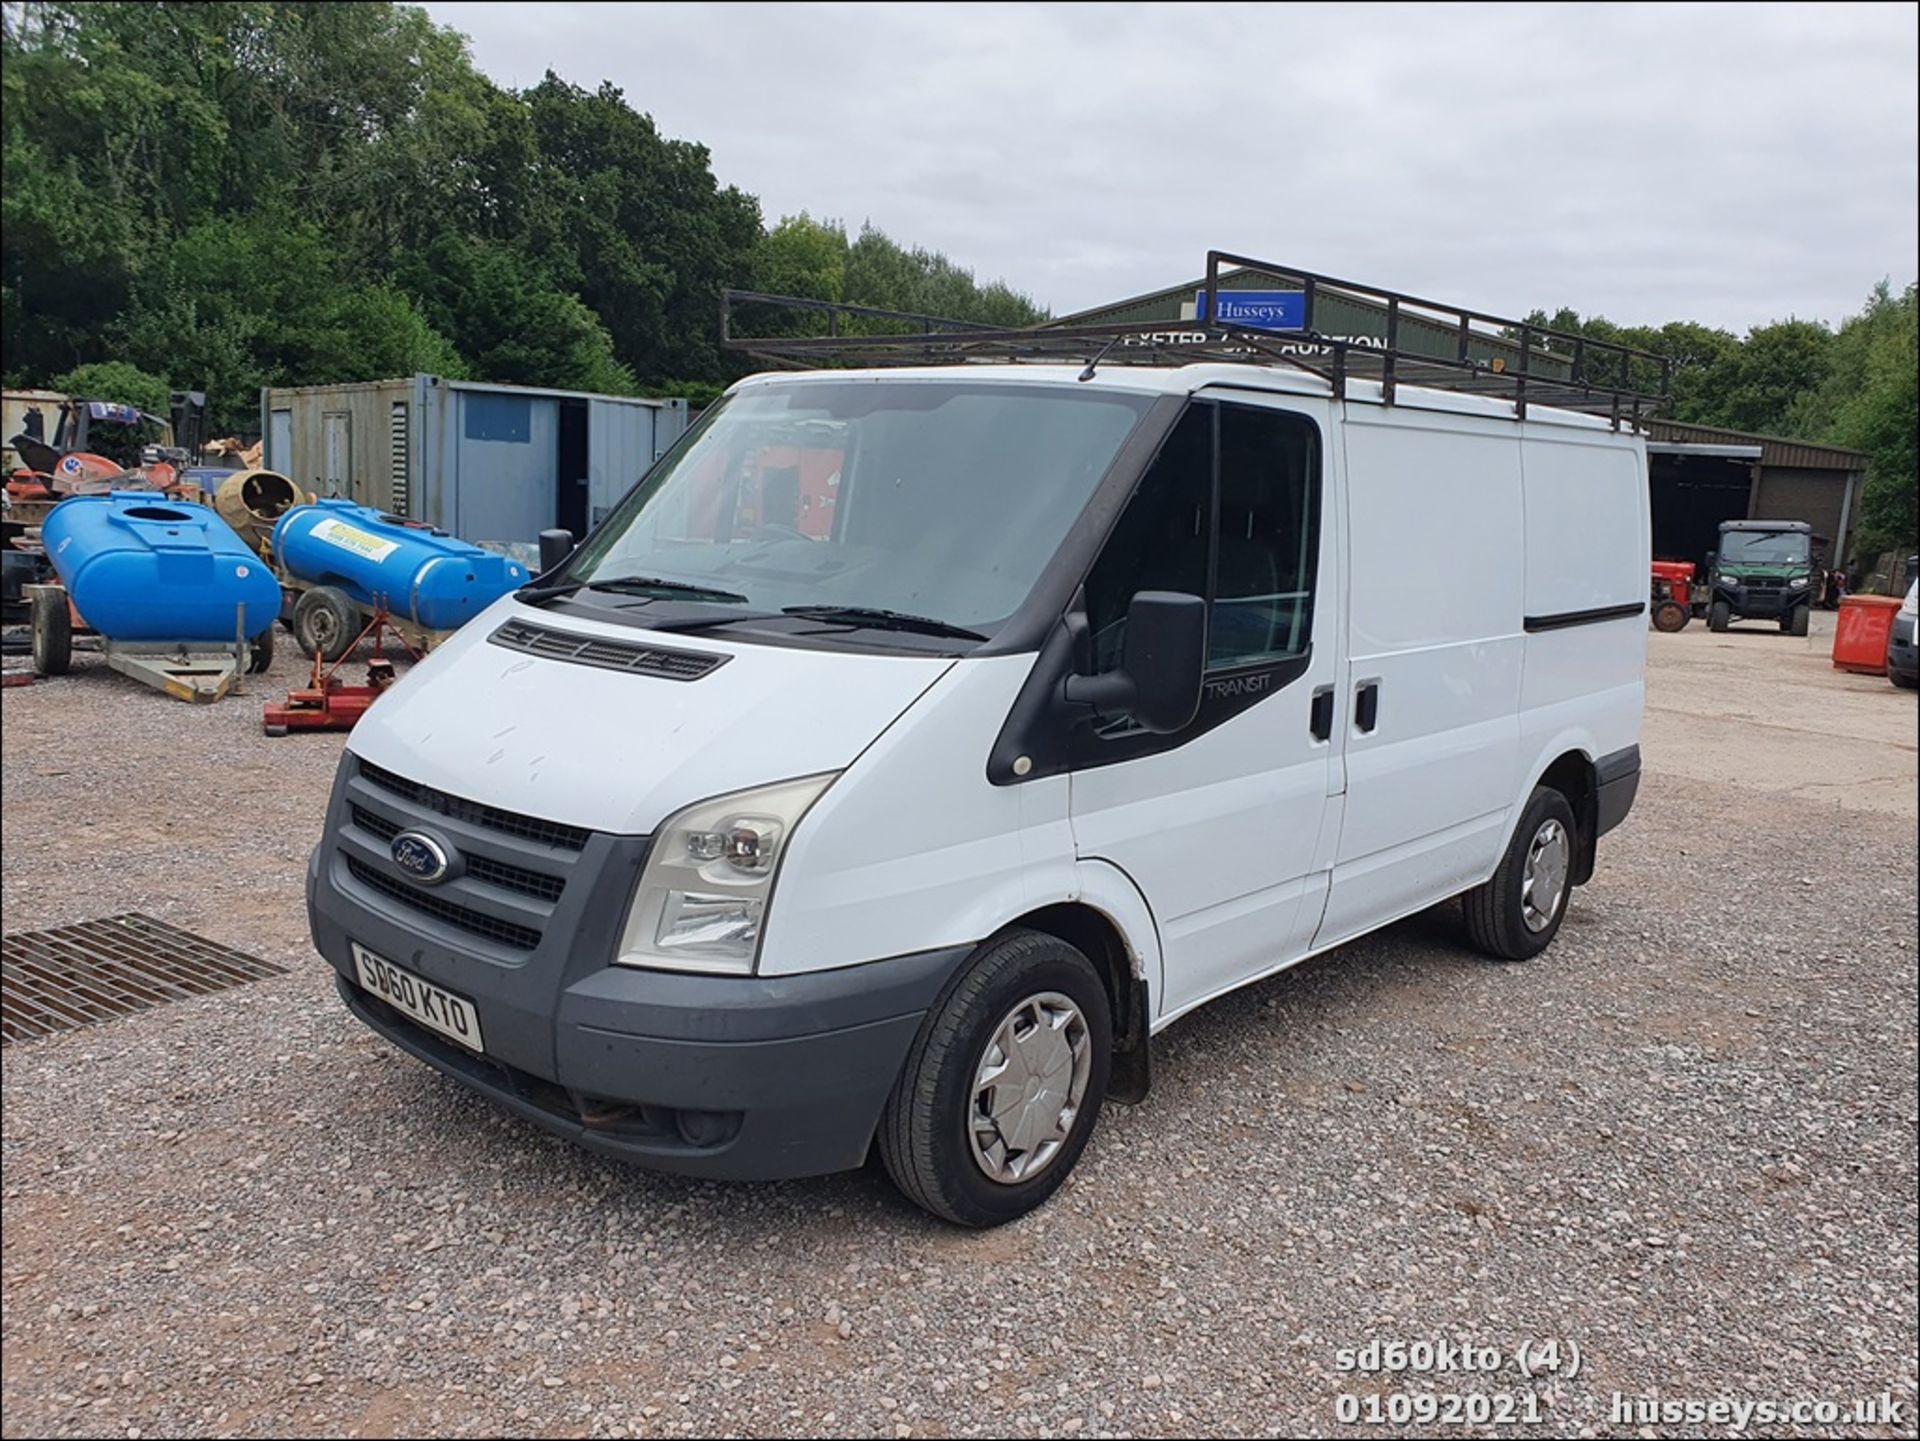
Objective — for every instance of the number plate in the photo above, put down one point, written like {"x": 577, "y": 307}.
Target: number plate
{"x": 438, "y": 1010}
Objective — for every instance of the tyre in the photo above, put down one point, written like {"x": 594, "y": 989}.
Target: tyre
{"x": 1905, "y": 682}
{"x": 1669, "y": 616}
{"x": 1796, "y": 623}
{"x": 1003, "y": 1084}
{"x": 1516, "y": 914}
{"x": 260, "y": 652}
{"x": 1718, "y": 615}
{"x": 325, "y": 622}
{"x": 52, "y": 633}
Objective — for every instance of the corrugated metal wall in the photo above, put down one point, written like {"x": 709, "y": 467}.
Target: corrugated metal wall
{"x": 335, "y": 439}
{"x": 620, "y": 448}
{"x": 1775, "y": 450}
{"x": 504, "y": 466}
{"x": 478, "y": 460}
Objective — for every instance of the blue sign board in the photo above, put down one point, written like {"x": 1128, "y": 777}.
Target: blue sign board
{"x": 1257, "y": 309}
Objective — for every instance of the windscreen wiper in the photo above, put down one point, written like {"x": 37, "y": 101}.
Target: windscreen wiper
{"x": 882, "y": 620}
{"x": 631, "y": 585}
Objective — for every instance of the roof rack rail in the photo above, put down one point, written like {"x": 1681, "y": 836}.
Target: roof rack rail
{"x": 1424, "y": 343}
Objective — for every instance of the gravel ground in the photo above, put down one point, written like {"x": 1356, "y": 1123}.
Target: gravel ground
{"x": 1684, "y": 1139}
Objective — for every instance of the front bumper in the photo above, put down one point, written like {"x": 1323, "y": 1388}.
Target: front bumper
{"x": 1762, "y": 602}
{"x": 732, "y": 1078}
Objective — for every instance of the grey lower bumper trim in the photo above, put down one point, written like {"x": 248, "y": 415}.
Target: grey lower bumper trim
{"x": 1616, "y": 782}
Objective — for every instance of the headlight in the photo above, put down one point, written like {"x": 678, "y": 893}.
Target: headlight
{"x": 1799, "y": 579}
{"x": 703, "y": 896}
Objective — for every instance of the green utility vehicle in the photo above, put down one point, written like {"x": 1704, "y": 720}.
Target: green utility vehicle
{"x": 1763, "y": 570}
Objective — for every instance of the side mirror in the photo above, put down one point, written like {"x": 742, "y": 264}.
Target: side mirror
{"x": 1712, "y": 556}
{"x": 1162, "y": 664}
{"x": 555, "y": 547}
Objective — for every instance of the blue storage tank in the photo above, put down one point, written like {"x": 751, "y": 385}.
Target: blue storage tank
{"x": 426, "y": 576}
{"x": 141, "y": 567}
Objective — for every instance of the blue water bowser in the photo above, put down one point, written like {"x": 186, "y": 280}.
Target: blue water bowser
{"x": 435, "y": 580}
{"x": 140, "y": 567}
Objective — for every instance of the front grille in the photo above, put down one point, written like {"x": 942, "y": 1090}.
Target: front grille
{"x": 523, "y": 938}
{"x": 377, "y": 824}
{"x": 531, "y": 828}
{"x": 516, "y": 878}
{"x": 621, "y": 655}
{"x": 526, "y": 882}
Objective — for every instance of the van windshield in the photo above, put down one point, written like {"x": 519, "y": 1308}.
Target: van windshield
{"x": 1763, "y": 547}
{"x": 940, "y": 499}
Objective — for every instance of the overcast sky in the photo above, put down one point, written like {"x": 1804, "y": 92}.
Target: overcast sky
{"x": 1725, "y": 163}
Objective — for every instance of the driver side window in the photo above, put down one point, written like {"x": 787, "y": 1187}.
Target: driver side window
{"x": 1249, "y": 543}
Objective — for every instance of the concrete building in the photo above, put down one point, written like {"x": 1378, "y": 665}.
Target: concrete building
{"x": 1701, "y": 475}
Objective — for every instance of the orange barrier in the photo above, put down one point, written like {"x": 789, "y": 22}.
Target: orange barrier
{"x": 1860, "y": 639}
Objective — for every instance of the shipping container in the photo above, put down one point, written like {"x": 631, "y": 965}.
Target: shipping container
{"x": 493, "y": 464}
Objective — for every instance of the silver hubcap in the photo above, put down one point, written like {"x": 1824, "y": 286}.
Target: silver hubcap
{"x": 1028, "y": 1090}
{"x": 1544, "y": 885}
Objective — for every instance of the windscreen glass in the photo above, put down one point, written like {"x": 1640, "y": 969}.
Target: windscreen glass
{"x": 933, "y": 498}
{"x": 1763, "y": 547}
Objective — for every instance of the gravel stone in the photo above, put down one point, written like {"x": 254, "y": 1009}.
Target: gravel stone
{"x": 1683, "y": 1139}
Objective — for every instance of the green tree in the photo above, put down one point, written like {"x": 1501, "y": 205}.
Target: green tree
{"x": 116, "y": 380}
{"x": 152, "y": 152}
{"x": 235, "y": 305}
{"x": 637, "y": 226}
{"x": 509, "y": 322}
{"x": 801, "y": 256}
{"x": 1756, "y": 387}
{"x": 1869, "y": 401}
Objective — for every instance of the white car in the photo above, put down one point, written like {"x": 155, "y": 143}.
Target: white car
{"x": 912, "y": 745}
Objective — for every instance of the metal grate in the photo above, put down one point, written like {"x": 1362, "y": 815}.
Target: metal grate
{"x": 522, "y": 938}
{"x": 397, "y": 438}
{"x": 607, "y": 654}
{"x": 78, "y": 975}
{"x": 532, "y": 828}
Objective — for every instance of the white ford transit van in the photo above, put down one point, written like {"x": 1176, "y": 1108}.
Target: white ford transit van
{"x": 911, "y": 745}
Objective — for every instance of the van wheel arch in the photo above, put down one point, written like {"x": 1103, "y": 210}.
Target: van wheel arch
{"x": 1572, "y": 774}
{"x": 1094, "y": 934}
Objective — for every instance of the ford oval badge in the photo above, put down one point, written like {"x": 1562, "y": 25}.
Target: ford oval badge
{"x": 420, "y": 856}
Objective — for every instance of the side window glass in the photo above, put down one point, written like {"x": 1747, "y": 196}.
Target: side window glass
{"x": 1161, "y": 540}
{"x": 1269, "y": 537}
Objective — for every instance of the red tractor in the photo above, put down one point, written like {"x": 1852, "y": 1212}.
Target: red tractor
{"x": 1672, "y": 594}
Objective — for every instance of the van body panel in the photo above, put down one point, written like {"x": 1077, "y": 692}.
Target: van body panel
{"x": 913, "y": 840}
{"x": 1588, "y": 544}
{"x": 613, "y": 751}
{"x": 1222, "y": 831}
{"x": 1435, "y": 535}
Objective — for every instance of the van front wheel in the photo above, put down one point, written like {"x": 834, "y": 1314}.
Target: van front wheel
{"x": 1516, "y": 914}
{"x": 1003, "y": 1085}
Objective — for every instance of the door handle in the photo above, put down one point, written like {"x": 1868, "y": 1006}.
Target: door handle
{"x": 1320, "y": 716}
{"x": 1366, "y": 706}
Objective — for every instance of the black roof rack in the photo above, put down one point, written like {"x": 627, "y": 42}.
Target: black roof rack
{"x": 1424, "y": 343}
